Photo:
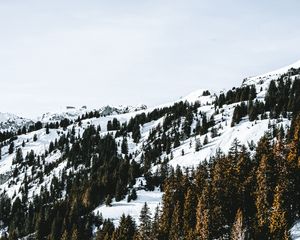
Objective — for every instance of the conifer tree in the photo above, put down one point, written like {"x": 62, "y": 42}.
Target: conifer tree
{"x": 34, "y": 137}
{"x": 11, "y": 148}
{"x": 203, "y": 219}
{"x": 189, "y": 214}
{"x": 278, "y": 218}
{"x": 197, "y": 145}
{"x": 124, "y": 146}
{"x": 205, "y": 140}
{"x": 126, "y": 229}
{"x": 64, "y": 235}
{"x": 47, "y": 129}
{"x": 108, "y": 200}
{"x": 75, "y": 234}
{"x": 136, "y": 133}
{"x": 176, "y": 225}
{"x": 263, "y": 193}
{"x": 154, "y": 235}
{"x": 144, "y": 230}
{"x": 19, "y": 156}
{"x": 40, "y": 226}
{"x": 238, "y": 228}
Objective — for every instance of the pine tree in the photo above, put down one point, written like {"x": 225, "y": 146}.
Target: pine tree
{"x": 11, "y": 148}
{"x": 108, "y": 200}
{"x": 47, "y": 129}
{"x": 263, "y": 192}
{"x": 238, "y": 228}
{"x": 197, "y": 145}
{"x": 176, "y": 225}
{"x": 168, "y": 207}
{"x": 64, "y": 235}
{"x": 144, "y": 231}
{"x": 124, "y": 146}
{"x": 19, "y": 156}
{"x": 136, "y": 133}
{"x": 189, "y": 214}
{"x": 34, "y": 137}
{"x": 155, "y": 225}
{"x": 205, "y": 140}
{"x": 55, "y": 230}
{"x": 203, "y": 219}
{"x": 106, "y": 231}
{"x": 133, "y": 194}
{"x": 75, "y": 234}
{"x": 126, "y": 229}
{"x": 40, "y": 227}
{"x": 278, "y": 218}
{"x": 176, "y": 140}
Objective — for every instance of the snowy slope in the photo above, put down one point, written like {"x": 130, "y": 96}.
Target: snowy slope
{"x": 295, "y": 231}
{"x": 267, "y": 77}
{"x": 11, "y": 122}
{"x": 246, "y": 132}
{"x": 72, "y": 113}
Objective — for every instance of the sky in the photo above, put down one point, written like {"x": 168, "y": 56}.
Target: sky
{"x": 59, "y": 52}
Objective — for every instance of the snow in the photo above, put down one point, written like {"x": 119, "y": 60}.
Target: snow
{"x": 295, "y": 231}
{"x": 245, "y": 132}
{"x": 265, "y": 79}
{"x": 39, "y": 147}
{"x": 71, "y": 114}
{"x": 9, "y": 121}
{"x": 133, "y": 208}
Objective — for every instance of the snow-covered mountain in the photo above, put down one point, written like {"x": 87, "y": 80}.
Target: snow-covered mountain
{"x": 219, "y": 137}
{"x": 264, "y": 79}
{"x": 72, "y": 113}
{"x": 12, "y": 122}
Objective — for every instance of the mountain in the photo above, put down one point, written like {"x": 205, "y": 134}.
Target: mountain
{"x": 273, "y": 75}
{"x": 72, "y": 113}
{"x": 11, "y": 122}
{"x": 107, "y": 162}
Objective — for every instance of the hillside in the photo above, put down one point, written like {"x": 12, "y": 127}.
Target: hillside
{"x": 115, "y": 159}
{"x": 9, "y": 122}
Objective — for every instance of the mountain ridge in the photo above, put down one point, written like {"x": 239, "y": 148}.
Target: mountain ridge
{"x": 198, "y": 126}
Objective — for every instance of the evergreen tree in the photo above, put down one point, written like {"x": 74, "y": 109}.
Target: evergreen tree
{"x": 203, "y": 219}
{"x": 108, "y": 200}
{"x": 144, "y": 230}
{"x": 238, "y": 228}
{"x": 176, "y": 229}
{"x": 197, "y": 145}
{"x": 126, "y": 229}
{"x": 205, "y": 140}
{"x": 189, "y": 214}
{"x": 64, "y": 235}
{"x": 34, "y": 137}
{"x": 124, "y": 146}
{"x": 278, "y": 218}
{"x": 154, "y": 235}
{"x": 47, "y": 129}
{"x": 263, "y": 194}
{"x": 40, "y": 227}
{"x": 75, "y": 234}
{"x": 19, "y": 156}
{"x": 136, "y": 133}
{"x": 11, "y": 148}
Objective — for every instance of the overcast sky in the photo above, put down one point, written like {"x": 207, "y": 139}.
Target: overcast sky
{"x": 57, "y": 53}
